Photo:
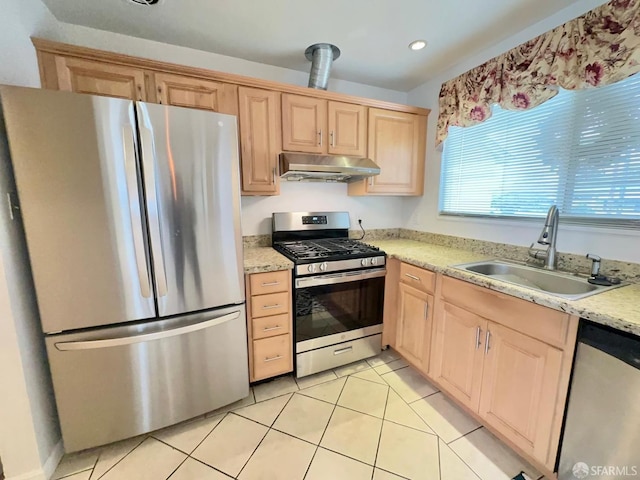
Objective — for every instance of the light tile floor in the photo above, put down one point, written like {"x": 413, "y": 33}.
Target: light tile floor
{"x": 372, "y": 420}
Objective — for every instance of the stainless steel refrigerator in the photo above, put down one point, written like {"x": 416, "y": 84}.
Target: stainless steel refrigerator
{"x": 131, "y": 214}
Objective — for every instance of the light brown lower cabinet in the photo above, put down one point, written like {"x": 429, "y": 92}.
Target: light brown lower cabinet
{"x": 269, "y": 324}
{"x": 511, "y": 370}
{"x": 458, "y": 354}
{"x": 413, "y": 331}
{"x": 505, "y": 360}
{"x": 520, "y": 384}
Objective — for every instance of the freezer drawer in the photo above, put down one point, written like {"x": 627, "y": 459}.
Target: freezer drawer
{"x": 115, "y": 383}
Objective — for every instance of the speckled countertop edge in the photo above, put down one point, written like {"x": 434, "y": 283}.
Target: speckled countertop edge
{"x": 618, "y": 308}
{"x": 264, "y": 259}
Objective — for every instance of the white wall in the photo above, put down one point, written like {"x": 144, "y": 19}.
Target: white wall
{"x": 422, "y": 213}
{"x": 29, "y": 432}
{"x": 375, "y": 212}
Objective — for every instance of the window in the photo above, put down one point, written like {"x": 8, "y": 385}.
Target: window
{"x": 580, "y": 150}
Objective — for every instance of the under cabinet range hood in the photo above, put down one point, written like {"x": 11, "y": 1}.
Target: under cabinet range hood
{"x": 326, "y": 168}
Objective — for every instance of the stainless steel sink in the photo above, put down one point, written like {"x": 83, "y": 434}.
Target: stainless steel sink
{"x": 564, "y": 285}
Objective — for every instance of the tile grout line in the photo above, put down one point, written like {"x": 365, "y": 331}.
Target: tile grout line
{"x": 210, "y": 466}
{"x": 375, "y": 459}
{"x": 176, "y": 469}
{"x": 254, "y": 450}
{"x": 268, "y": 429}
{"x": 144, "y": 439}
{"x": 438, "y": 436}
{"x": 464, "y": 435}
{"x": 283, "y": 408}
{"x": 478, "y": 477}
{"x": 325, "y": 427}
{"x": 439, "y": 460}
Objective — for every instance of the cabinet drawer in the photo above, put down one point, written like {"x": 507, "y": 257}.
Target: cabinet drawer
{"x": 417, "y": 277}
{"x": 272, "y": 356}
{"x": 271, "y": 304}
{"x": 270, "y": 326}
{"x": 269, "y": 282}
{"x": 546, "y": 324}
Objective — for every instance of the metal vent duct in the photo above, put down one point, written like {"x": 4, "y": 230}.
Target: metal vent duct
{"x": 321, "y": 56}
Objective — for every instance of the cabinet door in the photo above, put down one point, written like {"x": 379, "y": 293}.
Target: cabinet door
{"x": 396, "y": 142}
{"x": 458, "y": 353}
{"x": 413, "y": 336}
{"x": 259, "y": 140}
{"x": 97, "y": 78}
{"x": 304, "y": 121}
{"x": 347, "y": 129}
{"x": 191, "y": 92}
{"x": 520, "y": 386}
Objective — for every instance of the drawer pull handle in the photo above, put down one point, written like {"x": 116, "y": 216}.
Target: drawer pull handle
{"x": 487, "y": 339}
{"x": 413, "y": 277}
{"x": 272, "y": 359}
{"x": 271, "y": 329}
{"x": 270, "y": 284}
{"x": 342, "y": 350}
{"x": 269, "y": 307}
{"x": 478, "y": 333}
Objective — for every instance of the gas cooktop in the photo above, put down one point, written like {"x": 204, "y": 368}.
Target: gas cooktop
{"x": 303, "y": 251}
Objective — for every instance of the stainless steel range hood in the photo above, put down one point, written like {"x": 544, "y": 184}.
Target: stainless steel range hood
{"x": 326, "y": 168}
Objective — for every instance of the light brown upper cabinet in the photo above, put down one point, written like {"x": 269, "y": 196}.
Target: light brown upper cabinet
{"x": 304, "y": 121}
{"x": 259, "y": 116}
{"x": 97, "y": 78}
{"x": 347, "y": 129}
{"x": 191, "y": 92}
{"x": 314, "y": 125}
{"x": 396, "y": 142}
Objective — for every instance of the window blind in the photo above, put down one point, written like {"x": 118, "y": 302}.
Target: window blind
{"x": 580, "y": 151}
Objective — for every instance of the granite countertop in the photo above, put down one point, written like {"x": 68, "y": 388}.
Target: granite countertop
{"x": 264, "y": 259}
{"x": 618, "y": 308}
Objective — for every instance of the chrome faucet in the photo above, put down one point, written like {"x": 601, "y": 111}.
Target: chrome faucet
{"x": 548, "y": 237}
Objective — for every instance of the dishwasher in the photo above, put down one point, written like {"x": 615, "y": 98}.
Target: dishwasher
{"x": 602, "y": 430}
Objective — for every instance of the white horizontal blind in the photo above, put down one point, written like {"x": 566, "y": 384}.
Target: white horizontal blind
{"x": 580, "y": 150}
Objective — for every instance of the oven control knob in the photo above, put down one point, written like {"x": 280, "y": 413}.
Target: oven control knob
{"x": 374, "y": 261}
{"x": 363, "y": 262}
{"x": 311, "y": 268}
{"x": 323, "y": 266}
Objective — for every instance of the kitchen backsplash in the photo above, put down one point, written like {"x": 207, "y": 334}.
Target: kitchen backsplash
{"x": 566, "y": 261}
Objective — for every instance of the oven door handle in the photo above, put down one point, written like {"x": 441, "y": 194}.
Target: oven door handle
{"x": 333, "y": 278}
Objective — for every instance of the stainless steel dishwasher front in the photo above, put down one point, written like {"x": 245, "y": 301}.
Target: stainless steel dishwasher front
{"x": 602, "y": 429}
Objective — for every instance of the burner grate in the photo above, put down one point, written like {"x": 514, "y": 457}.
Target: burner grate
{"x": 326, "y": 248}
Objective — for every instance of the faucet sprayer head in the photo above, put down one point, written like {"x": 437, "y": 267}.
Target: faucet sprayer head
{"x": 550, "y": 224}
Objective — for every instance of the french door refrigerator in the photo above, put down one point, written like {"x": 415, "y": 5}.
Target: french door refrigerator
{"x": 131, "y": 214}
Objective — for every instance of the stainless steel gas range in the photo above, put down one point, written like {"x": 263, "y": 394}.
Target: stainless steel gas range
{"x": 338, "y": 289}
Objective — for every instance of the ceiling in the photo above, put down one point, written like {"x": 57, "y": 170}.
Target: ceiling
{"x": 372, "y": 34}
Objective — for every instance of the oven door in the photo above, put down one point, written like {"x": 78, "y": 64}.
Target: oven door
{"x": 338, "y": 307}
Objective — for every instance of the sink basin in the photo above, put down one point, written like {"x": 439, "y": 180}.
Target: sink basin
{"x": 552, "y": 282}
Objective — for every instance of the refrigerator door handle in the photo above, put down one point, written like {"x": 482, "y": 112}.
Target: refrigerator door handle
{"x": 145, "y": 337}
{"x": 148, "y": 156}
{"x": 134, "y": 209}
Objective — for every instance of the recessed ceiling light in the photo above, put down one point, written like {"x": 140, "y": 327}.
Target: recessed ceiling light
{"x": 417, "y": 44}
{"x": 147, "y": 3}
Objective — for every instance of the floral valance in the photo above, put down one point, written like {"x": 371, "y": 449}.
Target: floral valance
{"x": 599, "y": 48}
